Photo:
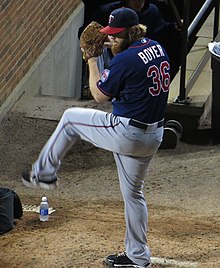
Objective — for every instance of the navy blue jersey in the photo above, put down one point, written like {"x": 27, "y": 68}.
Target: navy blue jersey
{"x": 138, "y": 81}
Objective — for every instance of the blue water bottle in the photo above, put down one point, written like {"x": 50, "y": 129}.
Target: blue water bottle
{"x": 44, "y": 209}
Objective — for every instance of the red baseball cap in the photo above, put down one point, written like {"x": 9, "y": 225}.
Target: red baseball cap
{"x": 120, "y": 19}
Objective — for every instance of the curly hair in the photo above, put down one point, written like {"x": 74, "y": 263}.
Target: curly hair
{"x": 135, "y": 33}
{"x": 130, "y": 35}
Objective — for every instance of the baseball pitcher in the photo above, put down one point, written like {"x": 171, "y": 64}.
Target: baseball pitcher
{"x": 137, "y": 82}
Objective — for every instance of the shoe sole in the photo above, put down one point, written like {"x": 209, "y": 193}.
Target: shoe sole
{"x": 105, "y": 264}
{"x": 47, "y": 186}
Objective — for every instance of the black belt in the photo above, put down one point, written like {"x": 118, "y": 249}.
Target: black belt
{"x": 141, "y": 125}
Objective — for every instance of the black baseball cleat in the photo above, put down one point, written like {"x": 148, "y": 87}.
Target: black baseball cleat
{"x": 122, "y": 260}
{"x": 30, "y": 180}
{"x": 170, "y": 139}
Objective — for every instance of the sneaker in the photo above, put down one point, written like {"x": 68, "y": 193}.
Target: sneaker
{"x": 30, "y": 180}
{"x": 122, "y": 260}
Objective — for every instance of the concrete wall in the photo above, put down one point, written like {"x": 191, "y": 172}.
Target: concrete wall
{"x": 26, "y": 29}
{"x": 57, "y": 71}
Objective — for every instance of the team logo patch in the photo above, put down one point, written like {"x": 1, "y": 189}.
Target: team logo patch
{"x": 111, "y": 18}
{"x": 143, "y": 41}
{"x": 105, "y": 75}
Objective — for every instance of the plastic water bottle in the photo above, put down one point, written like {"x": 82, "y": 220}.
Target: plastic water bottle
{"x": 44, "y": 209}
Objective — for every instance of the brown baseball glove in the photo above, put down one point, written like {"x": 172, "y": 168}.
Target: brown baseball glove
{"x": 92, "y": 40}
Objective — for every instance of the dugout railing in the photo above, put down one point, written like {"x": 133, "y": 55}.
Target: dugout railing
{"x": 188, "y": 32}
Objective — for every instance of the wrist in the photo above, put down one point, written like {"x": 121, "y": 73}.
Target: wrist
{"x": 92, "y": 60}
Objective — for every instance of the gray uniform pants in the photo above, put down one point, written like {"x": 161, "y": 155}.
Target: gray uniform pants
{"x": 133, "y": 149}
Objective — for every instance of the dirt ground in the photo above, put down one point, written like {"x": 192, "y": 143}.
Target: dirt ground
{"x": 182, "y": 190}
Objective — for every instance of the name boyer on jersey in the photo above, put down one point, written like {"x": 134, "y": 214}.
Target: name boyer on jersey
{"x": 150, "y": 53}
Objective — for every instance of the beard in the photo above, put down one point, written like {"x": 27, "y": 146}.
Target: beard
{"x": 119, "y": 47}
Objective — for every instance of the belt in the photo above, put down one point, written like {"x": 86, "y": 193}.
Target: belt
{"x": 141, "y": 125}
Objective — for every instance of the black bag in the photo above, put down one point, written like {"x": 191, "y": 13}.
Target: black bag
{"x": 10, "y": 209}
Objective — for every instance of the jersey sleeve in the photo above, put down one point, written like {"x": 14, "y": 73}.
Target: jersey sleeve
{"x": 112, "y": 79}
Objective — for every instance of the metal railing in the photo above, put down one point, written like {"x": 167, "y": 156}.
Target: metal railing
{"x": 189, "y": 31}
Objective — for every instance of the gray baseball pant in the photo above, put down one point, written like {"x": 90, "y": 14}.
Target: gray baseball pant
{"x": 133, "y": 149}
